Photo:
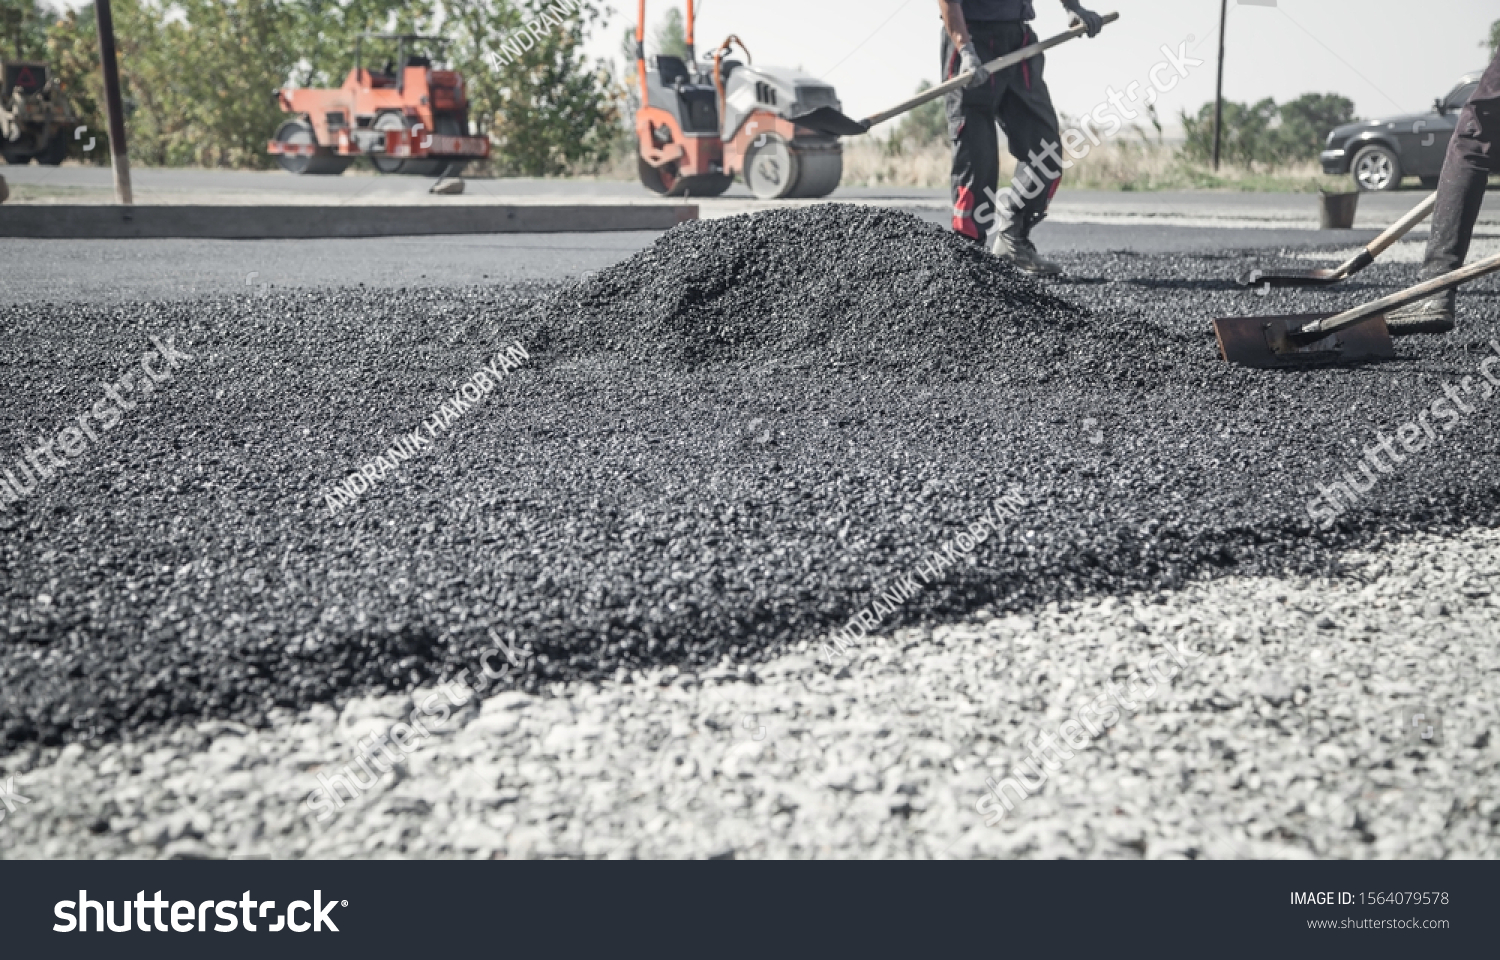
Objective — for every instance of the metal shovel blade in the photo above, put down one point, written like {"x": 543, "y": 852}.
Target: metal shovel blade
{"x": 829, "y": 121}
{"x": 1272, "y": 342}
{"x": 1290, "y": 278}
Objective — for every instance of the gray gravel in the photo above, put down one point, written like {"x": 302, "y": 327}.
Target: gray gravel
{"x": 722, "y": 446}
{"x": 1282, "y": 740}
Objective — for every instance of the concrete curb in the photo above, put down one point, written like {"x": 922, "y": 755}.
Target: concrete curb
{"x": 78, "y": 222}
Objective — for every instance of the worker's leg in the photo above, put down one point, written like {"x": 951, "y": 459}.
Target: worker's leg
{"x": 1030, "y": 125}
{"x": 976, "y": 146}
{"x": 1466, "y": 169}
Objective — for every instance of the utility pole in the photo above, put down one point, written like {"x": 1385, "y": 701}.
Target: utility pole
{"x": 106, "y": 23}
{"x": 1219, "y": 88}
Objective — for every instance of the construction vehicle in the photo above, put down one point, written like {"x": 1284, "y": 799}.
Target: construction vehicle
{"x": 699, "y": 127}
{"x": 36, "y": 120}
{"x": 777, "y": 129}
{"x": 409, "y": 117}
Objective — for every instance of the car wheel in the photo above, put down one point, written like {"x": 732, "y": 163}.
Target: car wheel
{"x": 1377, "y": 169}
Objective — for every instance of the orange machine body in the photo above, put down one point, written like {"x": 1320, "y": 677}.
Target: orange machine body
{"x": 408, "y": 112}
{"x": 698, "y": 127}
{"x": 335, "y": 114}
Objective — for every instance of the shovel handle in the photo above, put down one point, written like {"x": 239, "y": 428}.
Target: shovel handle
{"x": 1399, "y": 229}
{"x": 994, "y": 66}
{"x": 1447, "y": 281}
{"x": 1387, "y": 237}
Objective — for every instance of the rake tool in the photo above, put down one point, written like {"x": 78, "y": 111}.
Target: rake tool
{"x": 1309, "y": 339}
{"x": 1321, "y": 277}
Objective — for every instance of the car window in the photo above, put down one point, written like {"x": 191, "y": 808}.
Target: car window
{"x": 1461, "y": 95}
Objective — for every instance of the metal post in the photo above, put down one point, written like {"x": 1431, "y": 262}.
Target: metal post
{"x": 106, "y": 23}
{"x": 1219, "y": 89}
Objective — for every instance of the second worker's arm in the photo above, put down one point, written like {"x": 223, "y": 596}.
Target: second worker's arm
{"x": 957, "y": 29}
{"x": 1085, "y": 16}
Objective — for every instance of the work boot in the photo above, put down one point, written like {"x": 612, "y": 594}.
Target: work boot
{"x": 1433, "y": 314}
{"x": 1021, "y": 252}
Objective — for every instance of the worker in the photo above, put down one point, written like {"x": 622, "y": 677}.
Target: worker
{"x": 1466, "y": 169}
{"x": 976, "y": 32}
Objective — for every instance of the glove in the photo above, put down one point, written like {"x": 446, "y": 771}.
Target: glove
{"x": 1091, "y": 20}
{"x": 968, "y": 60}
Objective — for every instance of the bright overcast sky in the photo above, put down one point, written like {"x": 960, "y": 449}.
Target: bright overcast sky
{"x": 1388, "y": 56}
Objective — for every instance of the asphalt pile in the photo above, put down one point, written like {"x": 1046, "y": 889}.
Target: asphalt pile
{"x": 833, "y": 285}
{"x": 686, "y": 472}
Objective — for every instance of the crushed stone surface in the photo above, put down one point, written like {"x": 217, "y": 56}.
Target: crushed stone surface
{"x": 631, "y": 502}
{"x": 867, "y": 288}
{"x": 1282, "y": 737}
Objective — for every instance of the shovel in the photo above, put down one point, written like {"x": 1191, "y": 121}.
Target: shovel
{"x": 833, "y": 123}
{"x": 1309, "y": 339}
{"x": 1313, "y": 278}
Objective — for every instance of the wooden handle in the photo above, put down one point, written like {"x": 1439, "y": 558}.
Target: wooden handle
{"x": 994, "y": 66}
{"x": 1410, "y": 295}
{"x": 1392, "y": 233}
{"x": 1399, "y": 229}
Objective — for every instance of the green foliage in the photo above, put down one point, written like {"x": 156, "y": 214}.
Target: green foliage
{"x": 200, "y": 81}
{"x": 1265, "y": 133}
{"x": 1305, "y": 123}
{"x": 547, "y": 109}
{"x": 1493, "y": 40}
{"x": 670, "y": 36}
{"x": 23, "y": 29}
{"x": 218, "y": 67}
{"x": 927, "y": 124}
{"x": 327, "y": 32}
{"x": 1246, "y": 134}
{"x": 72, "y": 52}
{"x": 201, "y": 73}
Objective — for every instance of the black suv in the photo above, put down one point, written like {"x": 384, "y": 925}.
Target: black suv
{"x": 1380, "y": 152}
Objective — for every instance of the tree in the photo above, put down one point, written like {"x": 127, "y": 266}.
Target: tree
{"x": 547, "y": 108}
{"x": 326, "y": 33}
{"x": 1305, "y": 123}
{"x": 200, "y": 73}
{"x": 197, "y": 83}
{"x": 1265, "y": 133}
{"x": 1493, "y": 40}
{"x": 1246, "y": 134}
{"x": 230, "y": 57}
{"x": 670, "y": 37}
{"x": 23, "y": 29}
{"x": 922, "y": 126}
{"x": 73, "y": 54}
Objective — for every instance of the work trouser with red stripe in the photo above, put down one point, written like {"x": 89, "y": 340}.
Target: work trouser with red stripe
{"x": 1017, "y": 101}
{"x": 1471, "y": 158}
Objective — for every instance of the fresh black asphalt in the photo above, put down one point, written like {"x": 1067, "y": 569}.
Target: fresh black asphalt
{"x": 725, "y": 444}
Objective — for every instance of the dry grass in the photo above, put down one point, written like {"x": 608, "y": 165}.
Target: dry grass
{"x": 871, "y": 163}
{"x": 1130, "y": 161}
{"x": 1114, "y": 165}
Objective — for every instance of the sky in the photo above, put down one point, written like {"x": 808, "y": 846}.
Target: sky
{"x": 1388, "y": 56}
